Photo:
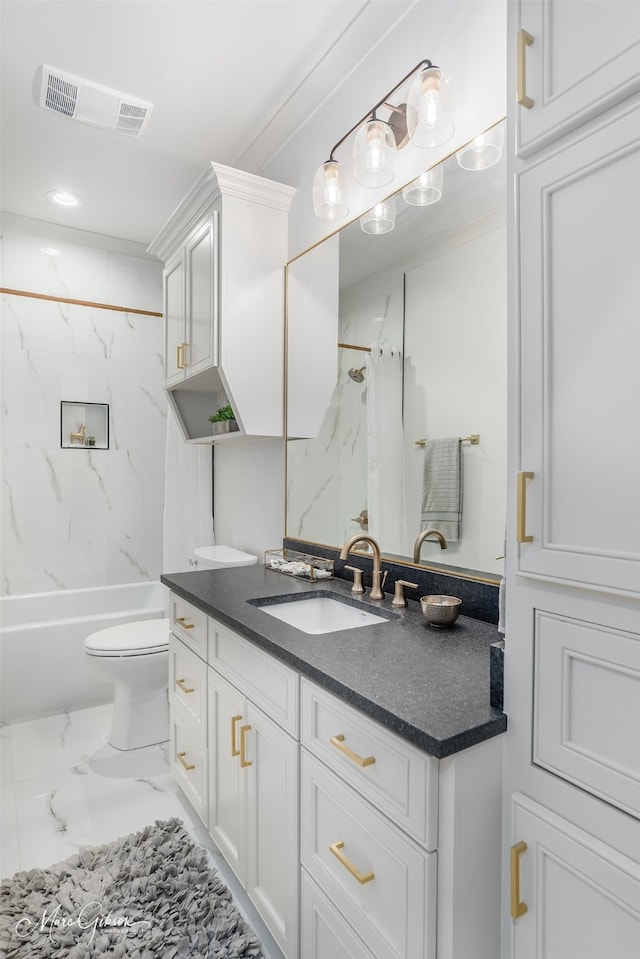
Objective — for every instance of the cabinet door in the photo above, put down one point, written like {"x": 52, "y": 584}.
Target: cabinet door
{"x": 202, "y": 297}
{"x": 272, "y": 818}
{"x": 582, "y": 898}
{"x": 585, "y": 57}
{"x": 580, "y": 343}
{"x": 226, "y": 718}
{"x": 174, "y": 319}
{"x": 324, "y": 932}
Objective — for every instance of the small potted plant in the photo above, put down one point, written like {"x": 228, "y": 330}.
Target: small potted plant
{"x": 91, "y": 441}
{"x": 223, "y": 420}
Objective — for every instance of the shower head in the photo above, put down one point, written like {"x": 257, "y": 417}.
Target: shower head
{"x": 357, "y": 375}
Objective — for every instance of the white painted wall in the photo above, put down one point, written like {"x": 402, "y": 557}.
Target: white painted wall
{"x": 74, "y": 517}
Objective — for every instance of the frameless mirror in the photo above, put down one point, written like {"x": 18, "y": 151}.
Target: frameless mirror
{"x": 395, "y": 340}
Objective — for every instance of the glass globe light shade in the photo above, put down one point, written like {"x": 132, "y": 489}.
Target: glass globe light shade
{"x": 430, "y": 109}
{"x": 380, "y": 219}
{"x": 330, "y": 192}
{"x": 374, "y": 154}
{"x": 425, "y": 189}
{"x": 484, "y": 151}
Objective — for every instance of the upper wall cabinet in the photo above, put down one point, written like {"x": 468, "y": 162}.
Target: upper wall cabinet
{"x": 224, "y": 250}
{"x": 574, "y": 60}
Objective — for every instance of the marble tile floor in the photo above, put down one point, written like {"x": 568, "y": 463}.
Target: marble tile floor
{"x": 62, "y": 788}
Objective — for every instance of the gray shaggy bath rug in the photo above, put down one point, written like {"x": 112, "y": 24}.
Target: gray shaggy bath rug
{"x": 144, "y": 896}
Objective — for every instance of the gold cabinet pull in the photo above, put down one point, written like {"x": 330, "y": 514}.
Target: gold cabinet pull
{"x": 183, "y": 762}
{"x": 234, "y": 745}
{"x": 524, "y": 40}
{"x": 243, "y": 759}
{"x": 338, "y": 742}
{"x": 362, "y": 877}
{"x": 181, "y": 684}
{"x": 181, "y": 362}
{"x": 517, "y": 908}
{"x": 184, "y": 623}
{"x": 521, "y": 509}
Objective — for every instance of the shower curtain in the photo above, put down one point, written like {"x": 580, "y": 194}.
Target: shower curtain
{"x": 385, "y": 449}
{"x": 188, "y": 517}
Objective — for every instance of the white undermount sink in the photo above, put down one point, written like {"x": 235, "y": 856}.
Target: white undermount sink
{"x": 322, "y": 614}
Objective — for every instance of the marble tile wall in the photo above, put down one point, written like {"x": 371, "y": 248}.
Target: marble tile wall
{"x": 77, "y": 517}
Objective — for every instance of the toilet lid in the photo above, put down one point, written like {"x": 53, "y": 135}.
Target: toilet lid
{"x": 130, "y": 639}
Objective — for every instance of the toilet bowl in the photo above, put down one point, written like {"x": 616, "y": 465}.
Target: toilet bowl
{"x": 135, "y": 657}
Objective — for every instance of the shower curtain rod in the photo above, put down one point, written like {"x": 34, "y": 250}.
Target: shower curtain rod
{"x": 350, "y": 346}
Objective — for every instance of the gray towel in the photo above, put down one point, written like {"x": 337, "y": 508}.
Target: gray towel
{"x": 442, "y": 488}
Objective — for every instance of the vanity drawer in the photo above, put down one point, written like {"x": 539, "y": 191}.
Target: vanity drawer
{"x": 401, "y": 781}
{"x": 263, "y": 679}
{"x": 189, "y": 623}
{"x": 188, "y": 682}
{"x": 324, "y": 932}
{"x": 188, "y": 762}
{"x": 383, "y": 882}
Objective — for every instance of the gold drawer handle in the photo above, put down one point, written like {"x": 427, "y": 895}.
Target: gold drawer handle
{"x": 181, "y": 361}
{"x": 338, "y": 741}
{"x": 517, "y": 908}
{"x": 362, "y": 877}
{"x": 184, "y": 623}
{"x": 181, "y": 684}
{"x": 185, "y": 765}
{"x": 243, "y": 760}
{"x": 521, "y": 509}
{"x": 234, "y": 746}
{"x": 524, "y": 40}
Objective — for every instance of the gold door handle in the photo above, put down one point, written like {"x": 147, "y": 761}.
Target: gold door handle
{"x": 524, "y": 40}
{"x": 338, "y": 742}
{"x": 517, "y": 908}
{"x": 521, "y": 509}
{"x": 185, "y": 765}
{"x": 181, "y": 684}
{"x": 184, "y": 623}
{"x": 181, "y": 362}
{"x": 243, "y": 759}
{"x": 234, "y": 745}
{"x": 362, "y": 877}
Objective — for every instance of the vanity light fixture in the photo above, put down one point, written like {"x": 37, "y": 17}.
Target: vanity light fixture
{"x": 484, "y": 151}
{"x": 425, "y": 189}
{"x": 425, "y": 120}
{"x": 63, "y": 198}
{"x": 380, "y": 219}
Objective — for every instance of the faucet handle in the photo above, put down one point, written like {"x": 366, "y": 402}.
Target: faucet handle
{"x": 398, "y": 596}
{"x": 357, "y": 579}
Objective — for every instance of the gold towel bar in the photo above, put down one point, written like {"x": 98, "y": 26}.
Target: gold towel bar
{"x": 351, "y": 346}
{"x": 474, "y": 439}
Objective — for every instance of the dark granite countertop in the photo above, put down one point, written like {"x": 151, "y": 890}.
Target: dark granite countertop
{"x": 429, "y": 685}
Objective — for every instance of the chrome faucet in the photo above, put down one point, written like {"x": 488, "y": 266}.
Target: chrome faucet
{"x": 376, "y": 575}
{"x": 424, "y": 535}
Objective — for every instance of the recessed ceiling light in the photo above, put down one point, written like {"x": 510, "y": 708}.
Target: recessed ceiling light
{"x": 50, "y": 251}
{"x": 62, "y": 198}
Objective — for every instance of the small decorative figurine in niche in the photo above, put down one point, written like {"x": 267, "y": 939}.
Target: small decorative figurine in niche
{"x": 79, "y": 436}
{"x": 90, "y": 441}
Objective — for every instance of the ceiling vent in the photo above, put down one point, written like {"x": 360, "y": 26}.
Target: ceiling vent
{"x": 89, "y": 102}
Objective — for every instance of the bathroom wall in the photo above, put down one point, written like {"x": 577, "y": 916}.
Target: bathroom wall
{"x": 79, "y": 517}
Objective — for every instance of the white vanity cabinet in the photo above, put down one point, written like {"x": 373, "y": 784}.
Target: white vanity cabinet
{"x": 572, "y": 645}
{"x": 224, "y": 249}
{"x": 254, "y": 781}
{"x": 400, "y": 851}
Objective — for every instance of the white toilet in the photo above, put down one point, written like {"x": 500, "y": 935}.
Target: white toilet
{"x": 135, "y": 657}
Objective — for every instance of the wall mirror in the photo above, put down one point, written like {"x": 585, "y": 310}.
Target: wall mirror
{"x": 398, "y": 338}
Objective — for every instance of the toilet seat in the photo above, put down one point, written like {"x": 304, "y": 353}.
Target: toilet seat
{"x": 140, "y": 638}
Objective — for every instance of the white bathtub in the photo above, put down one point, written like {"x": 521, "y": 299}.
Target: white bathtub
{"x": 43, "y": 667}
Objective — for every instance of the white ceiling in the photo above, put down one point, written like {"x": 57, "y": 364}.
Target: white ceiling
{"x": 229, "y": 80}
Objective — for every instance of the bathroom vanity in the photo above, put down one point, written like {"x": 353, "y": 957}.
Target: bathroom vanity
{"x": 352, "y": 779}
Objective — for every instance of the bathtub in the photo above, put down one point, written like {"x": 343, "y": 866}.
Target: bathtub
{"x": 43, "y": 667}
